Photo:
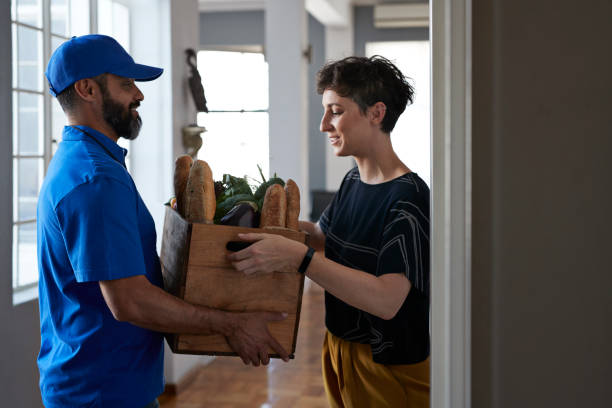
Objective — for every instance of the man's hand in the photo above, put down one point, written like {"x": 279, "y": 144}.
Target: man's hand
{"x": 269, "y": 252}
{"x": 250, "y": 338}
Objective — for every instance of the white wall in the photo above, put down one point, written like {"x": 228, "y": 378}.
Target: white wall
{"x": 184, "y": 22}
{"x": 286, "y": 39}
{"x": 161, "y": 31}
{"x": 153, "y": 151}
{"x": 339, "y": 43}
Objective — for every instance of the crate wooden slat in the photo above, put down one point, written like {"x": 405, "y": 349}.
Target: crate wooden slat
{"x": 195, "y": 268}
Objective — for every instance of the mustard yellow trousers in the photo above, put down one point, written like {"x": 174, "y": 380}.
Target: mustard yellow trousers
{"x": 353, "y": 380}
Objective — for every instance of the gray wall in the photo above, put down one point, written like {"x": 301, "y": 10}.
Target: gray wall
{"x": 542, "y": 200}
{"x": 19, "y": 326}
{"x": 366, "y": 32}
{"x": 232, "y": 28}
{"x": 317, "y": 141}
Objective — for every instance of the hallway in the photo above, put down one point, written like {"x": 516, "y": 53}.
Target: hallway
{"x": 228, "y": 383}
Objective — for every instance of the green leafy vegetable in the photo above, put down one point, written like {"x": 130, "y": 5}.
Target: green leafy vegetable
{"x": 236, "y": 190}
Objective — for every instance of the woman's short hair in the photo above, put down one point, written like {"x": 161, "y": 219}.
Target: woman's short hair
{"x": 367, "y": 81}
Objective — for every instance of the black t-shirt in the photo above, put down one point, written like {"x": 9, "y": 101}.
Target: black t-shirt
{"x": 382, "y": 228}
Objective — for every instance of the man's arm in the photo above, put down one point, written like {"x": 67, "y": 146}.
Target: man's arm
{"x": 137, "y": 301}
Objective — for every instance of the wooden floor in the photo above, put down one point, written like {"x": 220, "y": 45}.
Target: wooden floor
{"x": 228, "y": 383}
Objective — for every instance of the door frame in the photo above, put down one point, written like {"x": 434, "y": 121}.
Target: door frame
{"x": 451, "y": 51}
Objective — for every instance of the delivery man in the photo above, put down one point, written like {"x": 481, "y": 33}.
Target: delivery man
{"x": 102, "y": 309}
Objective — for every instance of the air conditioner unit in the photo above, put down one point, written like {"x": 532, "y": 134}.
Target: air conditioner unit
{"x": 401, "y": 15}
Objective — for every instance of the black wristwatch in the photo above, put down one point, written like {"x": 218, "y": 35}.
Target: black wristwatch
{"x": 306, "y": 260}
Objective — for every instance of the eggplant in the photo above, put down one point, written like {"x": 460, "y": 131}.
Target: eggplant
{"x": 219, "y": 189}
{"x": 241, "y": 215}
{"x": 223, "y": 207}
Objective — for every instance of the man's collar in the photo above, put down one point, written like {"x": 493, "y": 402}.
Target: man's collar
{"x": 80, "y": 132}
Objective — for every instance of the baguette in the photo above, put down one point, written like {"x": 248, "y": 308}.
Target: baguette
{"x": 210, "y": 200}
{"x": 293, "y": 205}
{"x": 274, "y": 211}
{"x": 195, "y": 202}
{"x": 182, "y": 165}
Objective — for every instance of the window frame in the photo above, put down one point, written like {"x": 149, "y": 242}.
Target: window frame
{"x": 200, "y": 121}
{"x": 28, "y": 292}
{"x": 23, "y": 293}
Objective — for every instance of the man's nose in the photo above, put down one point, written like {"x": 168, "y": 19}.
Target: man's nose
{"x": 139, "y": 95}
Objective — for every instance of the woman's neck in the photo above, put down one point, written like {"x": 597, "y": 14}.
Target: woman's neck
{"x": 380, "y": 163}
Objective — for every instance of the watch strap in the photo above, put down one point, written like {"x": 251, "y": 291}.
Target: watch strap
{"x": 306, "y": 260}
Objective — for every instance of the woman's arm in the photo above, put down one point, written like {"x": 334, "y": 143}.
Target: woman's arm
{"x": 317, "y": 237}
{"x": 380, "y": 296}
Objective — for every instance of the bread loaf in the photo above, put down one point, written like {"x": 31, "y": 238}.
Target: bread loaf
{"x": 274, "y": 211}
{"x": 182, "y": 166}
{"x": 210, "y": 201}
{"x": 293, "y": 205}
{"x": 200, "y": 194}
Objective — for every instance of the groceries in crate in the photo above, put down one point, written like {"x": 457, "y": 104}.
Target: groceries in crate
{"x": 200, "y": 202}
{"x": 293, "y": 205}
{"x": 241, "y": 215}
{"x": 233, "y": 201}
{"x": 182, "y": 165}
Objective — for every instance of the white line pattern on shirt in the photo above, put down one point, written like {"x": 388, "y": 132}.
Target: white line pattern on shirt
{"x": 345, "y": 261}
{"x": 376, "y": 342}
{"x": 400, "y": 241}
{"x": 416, "y": 185}
{"x": 407, "y": 246}
{"x": 407, "y": 178}
{"x": 356, "y": 247}
{"x": 405, "y": 216}
{"x": 416, "y": 207}
{"x": 350, "y": 336}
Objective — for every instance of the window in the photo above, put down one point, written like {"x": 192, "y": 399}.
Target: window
{"x": 410, "y": 137}
{"x": 38, "y": 28}
{"x": 114, "y": 20}
{"x": 236, "y": 137}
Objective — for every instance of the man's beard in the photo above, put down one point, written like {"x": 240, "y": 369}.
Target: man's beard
{"x": 119, "y": 118}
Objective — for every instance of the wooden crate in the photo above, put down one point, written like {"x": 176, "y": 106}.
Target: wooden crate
{"x": 195, "y": 268}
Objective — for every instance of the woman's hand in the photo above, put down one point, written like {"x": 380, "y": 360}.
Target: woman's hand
{"x": 268, "y": 253}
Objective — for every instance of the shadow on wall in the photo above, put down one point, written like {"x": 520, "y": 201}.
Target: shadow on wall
{"x": 320, "y": 200}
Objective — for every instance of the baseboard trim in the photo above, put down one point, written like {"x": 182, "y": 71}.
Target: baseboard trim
{"x": 184, "y": 382}
{"x": 169, "y": 389}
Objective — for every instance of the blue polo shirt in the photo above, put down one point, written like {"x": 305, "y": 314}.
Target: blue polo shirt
{"x": 92, "y": 226}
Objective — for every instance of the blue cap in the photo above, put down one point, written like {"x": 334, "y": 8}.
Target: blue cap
{"x": 89, "y": 56}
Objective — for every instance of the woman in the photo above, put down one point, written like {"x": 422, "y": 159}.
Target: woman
{"x": 375, "y": 234}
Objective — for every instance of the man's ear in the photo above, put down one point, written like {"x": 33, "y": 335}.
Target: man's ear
{"x": 377, "y": 112}
{"x": 87, "y": 89}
